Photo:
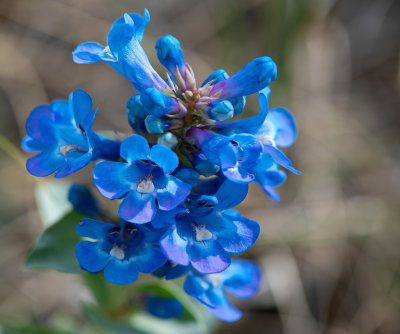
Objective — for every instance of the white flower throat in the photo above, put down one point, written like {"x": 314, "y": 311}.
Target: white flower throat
{"x": 146, "y": 186}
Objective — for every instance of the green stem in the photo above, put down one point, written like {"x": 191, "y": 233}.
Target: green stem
{"x": 9, "y": 148}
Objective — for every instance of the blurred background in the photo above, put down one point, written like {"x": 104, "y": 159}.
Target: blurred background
{"x": 330, "y": 249}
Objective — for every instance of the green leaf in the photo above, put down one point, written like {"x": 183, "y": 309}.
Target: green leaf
{"x": 55, "y": 248}
{"x": 110, "y": 297}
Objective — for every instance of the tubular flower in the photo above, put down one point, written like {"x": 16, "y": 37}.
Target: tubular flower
{"x": 143, "y": 181}
{"x": 62, "y": 133}
{"x": 121, "y": 251}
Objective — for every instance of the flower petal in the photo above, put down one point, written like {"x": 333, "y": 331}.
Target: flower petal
{"x": 225, "y": 310}
{"x": 44, "y": 163}
{"x": 208, "y": 257}
{"x": 164, "y": 157}
{"x": 284, "y": 124}
{"x": 115, "y": 179}
{"x": 174, "y": 193}
{"x": 175, "y": 247}
{"x": 281, "y": 158}
{"x": 230, "y": 194}
{"x": 81, "y": 104}
{"x": 90, "y": 256}
{"x": 197, "y": 287}
{"x": 93, "y": 229}
{"x": 235, "y": 234}
{"x": 134, "y": 148}
{"x": 121, "y": 272}
{"x": 137, "y": 207}
{"x": 149, "y": 259}
{"x": 92, "y": 52}
{"x": 243, "y": 279}
{"x": 74, "y": 163}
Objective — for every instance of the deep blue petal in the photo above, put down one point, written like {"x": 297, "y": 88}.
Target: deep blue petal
{"x": 120, "y": 272}
{"x": 137, "y": 207}
{"x": 93, "y": 229}
{"x": 187, "y": 175}
{"x": 230, "y": 194}
{"x": 158, "y": 104}
{"x": 173, "y": 194}
{"x": 40, "y": 125}
{"x": 44, "y": 163}
{"x": 91, "y": 257}
{"x": 81, "y": 104}
{"x": 29, "y": 145}
{"x": 74, "y": 161}
{"x": 82, "y": 200}
{"x": 164, "y": 157}
{"x": 149, "y": 259}
{"x": 134, "y": 148}
{"x": 235, "y": 234}
{"x": 176, "y": 272}
{"x": 115, "y": 179}
{"x": 242, "y": 279}
{"x": 207, "y": 257}
{"x": 175, "y": 247}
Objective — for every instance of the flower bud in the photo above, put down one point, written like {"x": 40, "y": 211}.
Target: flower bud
{"x": 158, "y": 104}
{"x": 136, "y": 113}
{"x": 170, "y": 55}
{"x": 220, "y": 110}
{"x": 168, "y": 139}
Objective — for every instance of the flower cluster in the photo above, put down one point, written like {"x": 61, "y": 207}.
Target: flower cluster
{"x": 178, "y": 177}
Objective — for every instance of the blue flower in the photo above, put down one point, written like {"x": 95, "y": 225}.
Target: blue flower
{"x": 144, "y": 181}
{"x": 124, "y": 52}
{"x": 163, "y": 307}
{"x": 235, "y": 155}
{"x": 206, "y": 234}
{"x": 241, "y": 279}
{"x": 62, "y": 133}
{"x": 252, "y": 78}
{"x": 121, "y": 251}
{"x": 83, "y": 201}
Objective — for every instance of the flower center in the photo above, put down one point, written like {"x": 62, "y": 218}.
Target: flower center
{"x": 117, "y": 252}
{"x": 146, "y": 185}
{"x": 193, "y": 100}
{"x": 202, "y": 233}
{"x": 65, "y": 149}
